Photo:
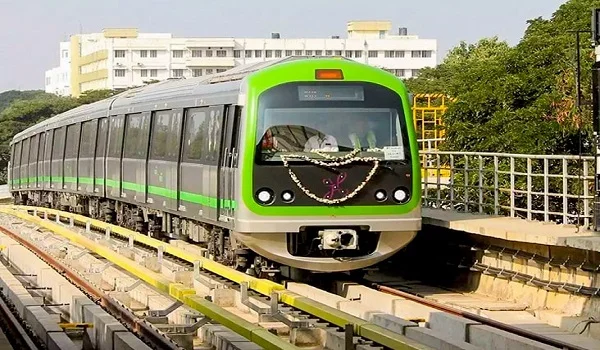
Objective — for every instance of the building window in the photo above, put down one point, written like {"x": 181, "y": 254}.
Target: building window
{"x": 237, "y": 53}
{"x": 177, "y": 73}
{"x": 338, "y": 52}
{"x": 153, "y": 53}
{"x": 328, "y": 52}
{"x": 119, "y": 72}
{"x": 415, "y": 72}
{"x": 177, "y": 53}
{"x": 209, "y": 71}
{"x": 298, "y": 53}
{"x": 120, "y": 53}
{"x": 221, "y": 53}
{"x": 248, "y": 53}
{"x": 143, "y": 53}
{"x": 381, "y": 34}
{"x": 373, "y": 54}
{"x": 196, "y": 53}
{"x": 144, "y": 73}
{"x": 318, "y": 52}
{"x": 277, "y": 53}
{"x": 153, "y": 73}
{"x": 257, "y": 53}
{"x": 288, "y": 52}
{"x": 400, "y": 72}
{"x": 309, "y": 52}
{"x": 389, "y": 54}
{"x": 416, "y": 54}
{"x": 197, "y": 72}
{"x": 426, "y": 54}
{"x": 269, "y": 53}
{"x": 209, "y": 53}
{"x": 399, "y": 54}
{"x": 221, "y": 70}
{"x": 358, "y": 54}
{"x": 349, "y": 54}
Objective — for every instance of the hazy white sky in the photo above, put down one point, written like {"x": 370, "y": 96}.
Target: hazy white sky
{"x": 30, "y": 30}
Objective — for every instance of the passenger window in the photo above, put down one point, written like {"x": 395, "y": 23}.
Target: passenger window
{"x": 58, "y": 146}
{"x": 88, "y": 138}
{"x": 115, "y": 143}
{"x": 102, "y": 136}
{"x": 33, "y": 149}
{"x": 17, "y": 157}
{"x": 203, "y": 135}
{"x": 136, "y": 136}
{"x": 196, "y": 130}
{"x": 49, "y": 141}
{"x": 42, "y": 146}
{"x": 166, "y": 135}
{"x": 25, "y": 152}
{"x": 72, "y": 141}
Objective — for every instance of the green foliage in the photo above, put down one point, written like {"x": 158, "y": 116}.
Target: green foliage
{"x": 518, "y": 99}
{"x": 8, "y": 97}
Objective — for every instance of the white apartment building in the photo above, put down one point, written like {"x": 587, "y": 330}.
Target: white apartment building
{"x": 58, "y": 80}
{"x": 121, "y": 58}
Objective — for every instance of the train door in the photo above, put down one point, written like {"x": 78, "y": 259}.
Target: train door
{"x": 48, "y": 159}
{"x": 163, "y": 160}
{"x": 58, "y": 153}
{"x": 113, "y": 157}
{"x": 201, "y": 152}
{"x": 135, "y": 153}
{"x": 228, "y": 163}
{"x": 100, "y": 158}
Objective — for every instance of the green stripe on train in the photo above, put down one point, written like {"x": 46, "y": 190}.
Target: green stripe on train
{"x": 131, "y": 186}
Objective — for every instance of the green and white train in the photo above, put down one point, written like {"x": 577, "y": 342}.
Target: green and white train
{"x": 303, "y": 162}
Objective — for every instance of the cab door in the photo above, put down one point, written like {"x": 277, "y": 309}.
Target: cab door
{"x": 228, "y": 163}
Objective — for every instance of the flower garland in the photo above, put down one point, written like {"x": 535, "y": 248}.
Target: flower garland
{"x": 332, "y": 162}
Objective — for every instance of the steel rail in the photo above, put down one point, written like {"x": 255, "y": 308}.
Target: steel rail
{"x": 486, "y": 321}
{"x": 137, "y": 325}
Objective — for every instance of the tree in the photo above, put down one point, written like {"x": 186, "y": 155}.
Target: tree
{"x": 517, "y": 99}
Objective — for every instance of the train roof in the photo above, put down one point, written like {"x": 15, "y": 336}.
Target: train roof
{"x": 229, "y": 80}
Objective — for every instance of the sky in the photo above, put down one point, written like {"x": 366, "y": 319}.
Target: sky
{"x": 30, "y": 30}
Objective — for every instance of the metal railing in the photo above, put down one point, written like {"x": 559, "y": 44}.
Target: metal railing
{"x": 550, "y": 188}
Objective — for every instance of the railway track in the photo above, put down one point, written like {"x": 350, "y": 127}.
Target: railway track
{"x": 310, "y": 312}
{"x": 274, "y": 317}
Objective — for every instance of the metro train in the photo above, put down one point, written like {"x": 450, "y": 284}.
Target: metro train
{"x": 306, "y": 163}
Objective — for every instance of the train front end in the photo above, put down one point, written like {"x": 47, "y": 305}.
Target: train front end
{"x": 329, "y": 168}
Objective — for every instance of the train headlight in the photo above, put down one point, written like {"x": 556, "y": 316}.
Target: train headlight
{"x": 287, "y": 196}
{"x": 264, "y": 195}
{"x": 380, "y": 195}
{"x": 401, "y": 195}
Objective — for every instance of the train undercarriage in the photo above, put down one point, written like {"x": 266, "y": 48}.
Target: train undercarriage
{"x": 159, "y": 225}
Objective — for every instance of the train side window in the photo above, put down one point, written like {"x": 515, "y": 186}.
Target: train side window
{"x": 25, "y": 152}
{"x": 33, "y": 149}
{"x": 88, "y": 136}
{"x": 102, "y": 137}
{"x": 17, "y": 159}
{"x": 160, "y": 134}
{"x": 58, "y": 144}
{"x": 72, "y": 141}
{"x": 141, "y": 147}
{"x": 166, "y": 133}
{"x": 195, "y": 142}
{"x": 42, "y": 147}
{"x": 136, "y": 136}
{"x": 115, "y": 139}
{"x": 235, "y": 129}
{"x": 49, "y": 141}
